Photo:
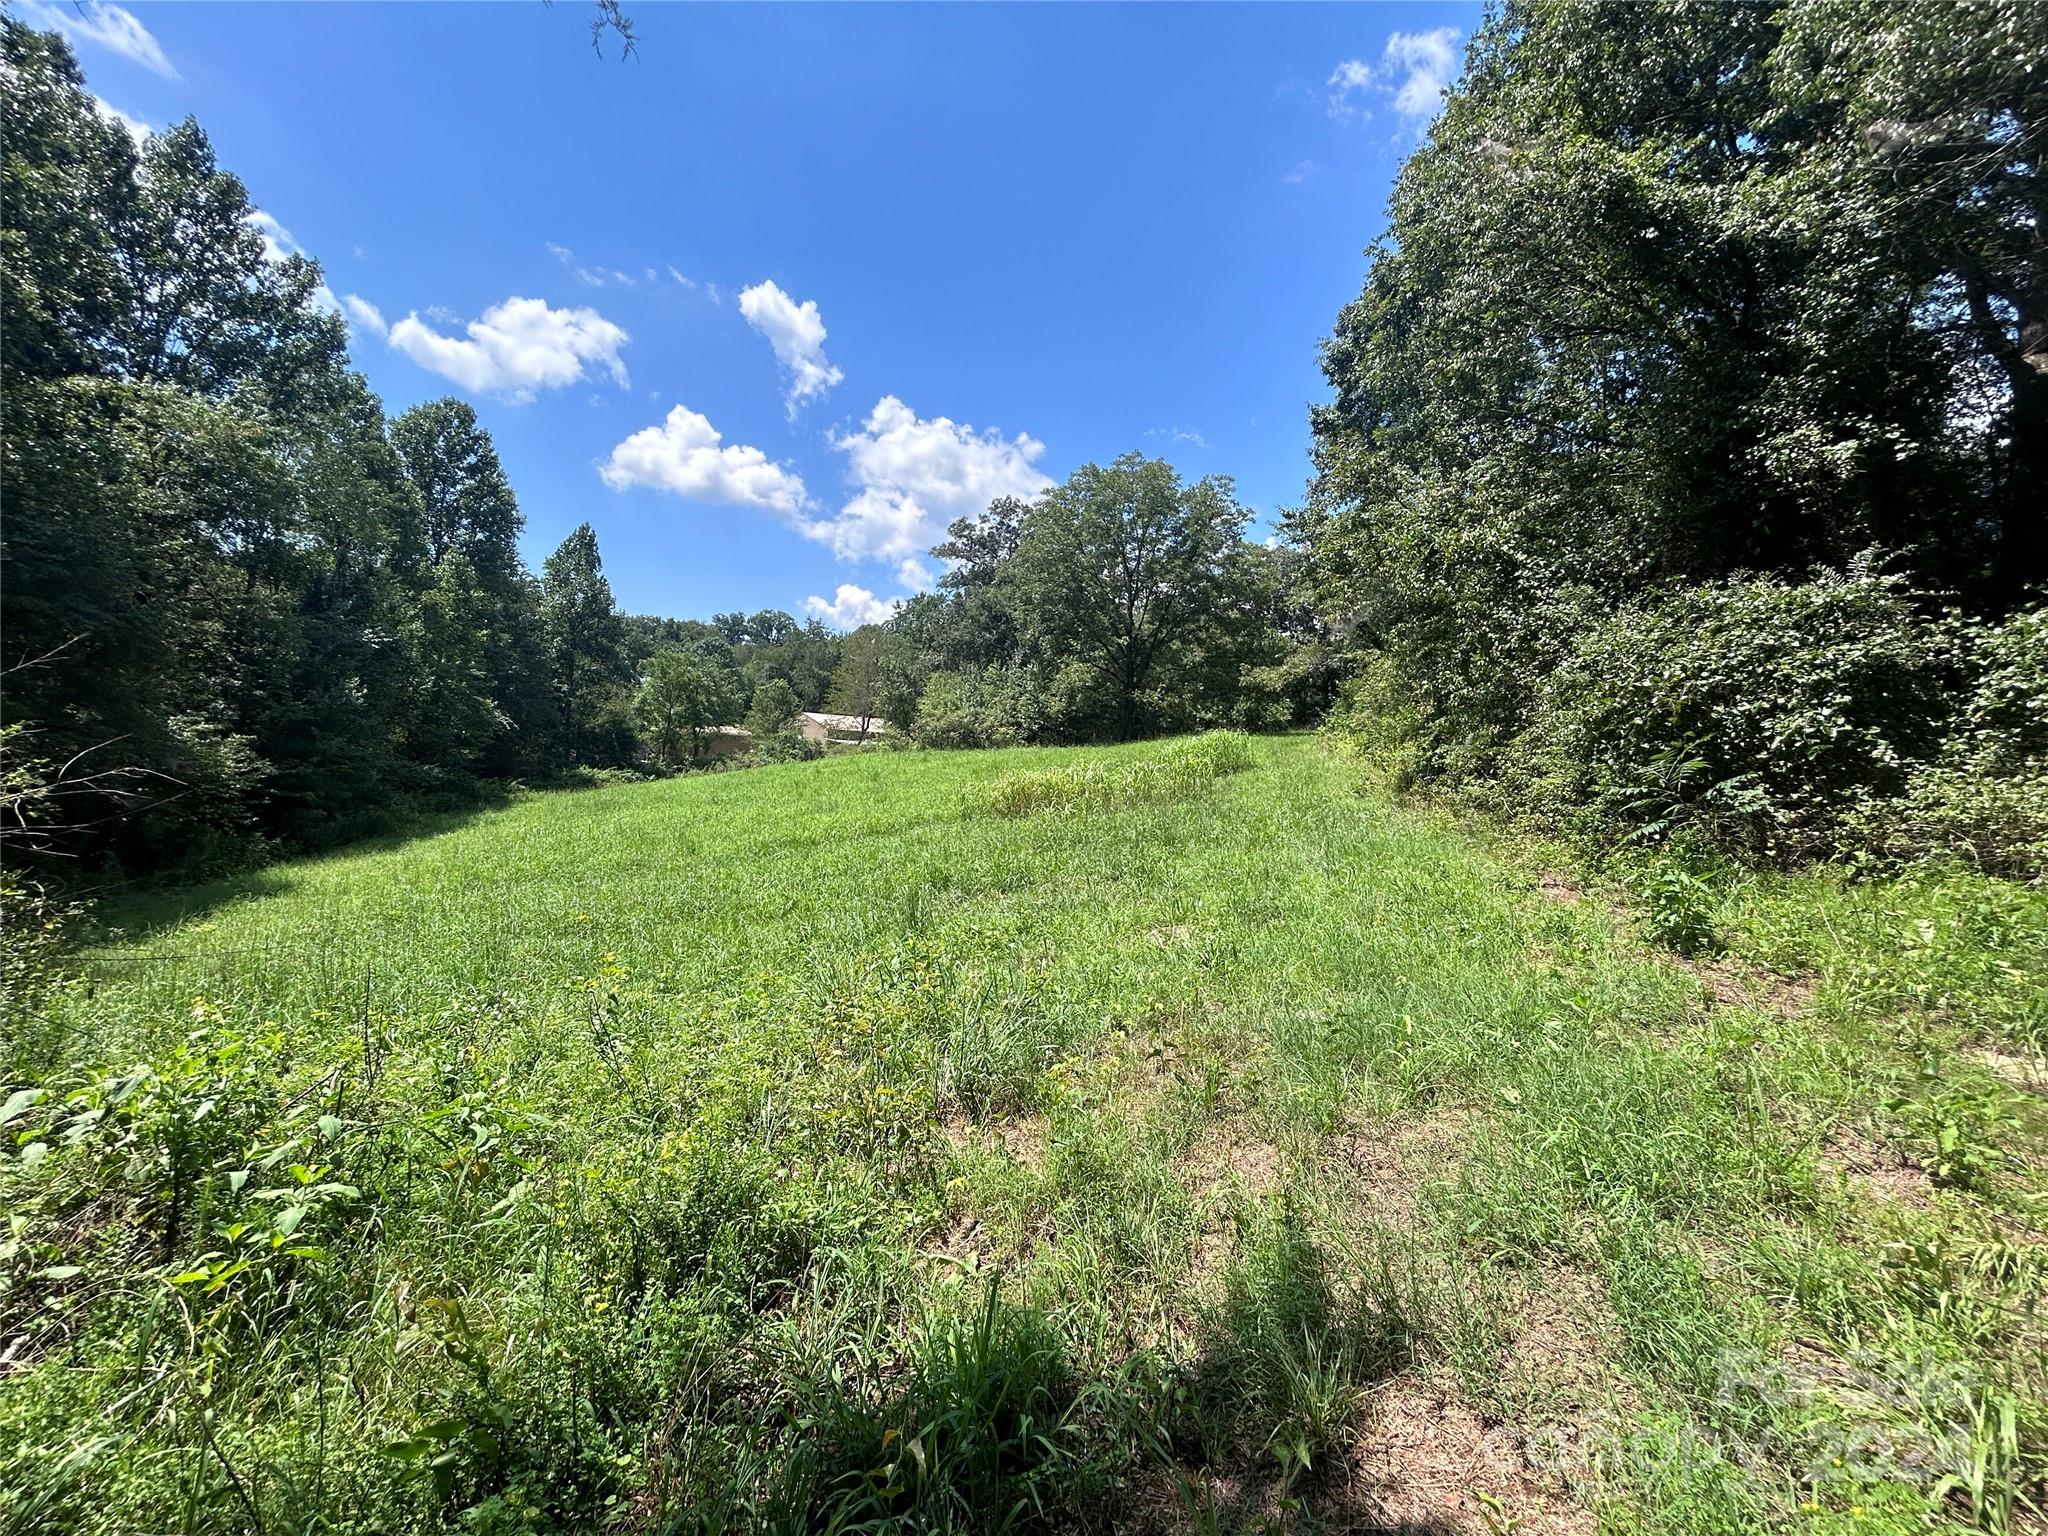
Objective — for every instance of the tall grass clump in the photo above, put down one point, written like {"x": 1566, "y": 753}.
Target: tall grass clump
{"x": 1175, "y": 773}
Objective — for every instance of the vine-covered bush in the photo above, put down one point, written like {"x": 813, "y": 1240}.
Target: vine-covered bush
{"x": 1785, "y": 720}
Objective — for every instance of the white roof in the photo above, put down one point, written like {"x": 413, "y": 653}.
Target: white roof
{"x": 844, "y": 722}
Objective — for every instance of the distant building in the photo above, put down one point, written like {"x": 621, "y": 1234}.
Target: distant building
{"x": 820, "y": 727}
{"x": 726, "y": 740}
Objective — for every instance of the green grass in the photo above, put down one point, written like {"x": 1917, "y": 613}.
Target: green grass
{"x": 806, "y": 1149}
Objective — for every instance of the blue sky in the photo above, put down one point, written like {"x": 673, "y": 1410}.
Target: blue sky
{"x": 771, "y": 304}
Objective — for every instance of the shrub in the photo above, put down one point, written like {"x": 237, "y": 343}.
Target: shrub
{"x": 1752, "y": 715}
{"x": 782, "y": 747}
{"x": 1985, "y": 799}
{"x": 946, "y": 717}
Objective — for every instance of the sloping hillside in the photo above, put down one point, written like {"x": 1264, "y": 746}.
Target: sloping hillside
{"x": 819, "y": 1145}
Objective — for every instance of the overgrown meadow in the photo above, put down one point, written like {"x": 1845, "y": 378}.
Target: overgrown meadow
{"x": 1174, "y": 1136}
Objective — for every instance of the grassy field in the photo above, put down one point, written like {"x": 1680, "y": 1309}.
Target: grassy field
{"x": 927, "y": 1138}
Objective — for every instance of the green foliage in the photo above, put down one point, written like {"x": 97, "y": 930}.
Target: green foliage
{"x": 1180, "y": 769}
{"x": 1666, "y": 318}
{"x": 1123, "y": 571}
{"x": 775, "y": 708}
{"x": 1749, "y": 715}
{"x": 685, "y": 693}
{"x": 586, "y": 649}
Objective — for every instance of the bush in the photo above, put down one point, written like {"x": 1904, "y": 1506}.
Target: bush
{"x": 1756, "y": 716}
{"x": 980, "y": 707}
{"x": 1985, "y": 799}
{"x": 782, "y": 747}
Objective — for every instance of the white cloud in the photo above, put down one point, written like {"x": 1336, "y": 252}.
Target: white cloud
{"x": 1299, "y": 172}
{"x": 595, "y": 277}
{"x": 851, "y": 607}
{"x": 134, "y": 127}
{"x": 279, "y": 246}
{"x": 1350, "y": 85}
{"x": 797, "y": 333}
{"x": 915, "y": 574}
{"x": 1430, "y": 62}
{"x": 915, "y": 476}
{"x": 1189, "y": 435}
{"x": 106, "y": 25}
{"x": 683, "y": 456}
{"x": 1415, "y": 69}
{"x": 366, "y": 315}
{"x": 277, "y": 240}
{"x": 516, "y": 348}
{"x": 681, "y": 281}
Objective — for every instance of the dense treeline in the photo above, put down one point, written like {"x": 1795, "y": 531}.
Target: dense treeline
{"x": 244, "y": 609}
{"x": 1120, "y": 604}
{"x": 1684, "y": 470}
{"x": 242, "y": 606}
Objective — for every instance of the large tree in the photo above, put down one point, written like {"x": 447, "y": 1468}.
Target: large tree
{"x": 584, "y": 634}
{"x": 1121, "y": 572}
{"x": 470, "y": 513}
{"x": 1671, "y": 294}
{"x": 687, "y": 690}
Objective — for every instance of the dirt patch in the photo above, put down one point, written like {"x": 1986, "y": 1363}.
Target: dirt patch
{"x": 1427, "y": 1462}
{"x": 1219, "y": 1163}
{"x": 1389, "y": 1162}
{"x": 1021, "y": 1138}
{"x": 2029, "y": 1074}
{"x": 1735, "y": 984}
{"x": 963, "y": 1240}
{"x": 1873, "y": 1169}
{"x": 1171, "y": 935}
{"x": 1225, "y": 1171}
{"x": 1560, "y": 888}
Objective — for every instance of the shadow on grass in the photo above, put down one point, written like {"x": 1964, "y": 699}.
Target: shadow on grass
{"x": 131, "y": 912}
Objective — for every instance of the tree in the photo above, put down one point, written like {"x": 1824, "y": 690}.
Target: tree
{"x": 584, "y": 636}
{"x": 774, "y": 709}
{"x": 1121, "y": 572}
{"x": 685, "y": 693}
{"x": 469, "y": 511}
{"x": 1666, "y": 302}
{"x": 862, "y": 676}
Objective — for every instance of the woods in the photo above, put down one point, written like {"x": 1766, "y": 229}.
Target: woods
{"x": 1682, "y": 331}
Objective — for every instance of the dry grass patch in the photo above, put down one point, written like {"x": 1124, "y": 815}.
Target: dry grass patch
{"x": 1384, "y": 1166}
{"x": 1875, "y": 1170}
{"x": 1736, "y": 983}
{"x": 1426, "y": 1461}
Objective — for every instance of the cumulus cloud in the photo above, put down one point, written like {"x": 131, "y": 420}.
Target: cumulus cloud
{"x": 850, "y": 607}
{"x": 516, "y": 348}
{"x": 277, "y": 240}
{"x": 1415, "y": 70}
{"x": 134, "y": 127}
{"x": 914, "y": 476}
{"x": 107, "y": 26}
{"x": 279, "y": 246}
{"x": 364, "y": 315}
{"x": 797, "y": 333}
{"x": 915, "y": 575}
{"x": 683, "y": 456}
